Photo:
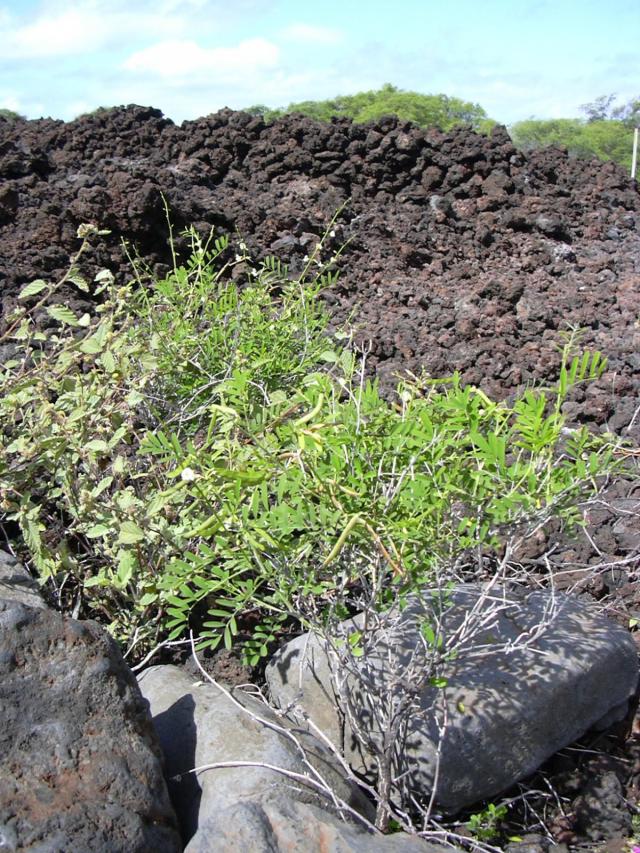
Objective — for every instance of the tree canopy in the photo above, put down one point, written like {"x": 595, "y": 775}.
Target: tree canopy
{"x": 10, "y": 115}
{"x": 440, "y": 111}
{"x": 606, "y": 131}
{"x": 604, "y": 108}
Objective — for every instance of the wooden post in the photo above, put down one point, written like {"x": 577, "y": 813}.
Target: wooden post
{"x": 634, "y": 156}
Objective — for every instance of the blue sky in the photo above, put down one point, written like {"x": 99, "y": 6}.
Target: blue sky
{"x": 516, "y": 58}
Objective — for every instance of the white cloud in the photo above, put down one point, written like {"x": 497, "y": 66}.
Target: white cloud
{"x": 201, "y": 94}
{"x": 72, "y": 31}
{"x": 67, "y": 29}
{"x": 179, "y": 58}
{"x": 21, "y": 106}
{"x": 9, "y": 102}
{"x": 307, "y": 34}
{"x": 55, "y": 28}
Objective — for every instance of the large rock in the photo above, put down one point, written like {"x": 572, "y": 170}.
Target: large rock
{"x": 80, "y": 766}
{"x": 16, "y": 584}
{"x": 511, "y": 701}
{"x": 251, "y": 808}
{"x": 291, "y": 825}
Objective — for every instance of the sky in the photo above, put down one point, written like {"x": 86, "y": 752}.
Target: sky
{"x": 516, "y": 58}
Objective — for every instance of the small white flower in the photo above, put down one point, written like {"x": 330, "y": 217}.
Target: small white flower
{"x": 332, "y": 233}
{"x": 188, "y": 475}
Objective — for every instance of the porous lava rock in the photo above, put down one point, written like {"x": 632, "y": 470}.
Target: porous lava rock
{"x": 464, "y": 253}
{"x": 80, "y": 765}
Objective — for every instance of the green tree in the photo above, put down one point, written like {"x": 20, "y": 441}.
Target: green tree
{"x": 609, "y": 140}
{"x": 600, "y": 109}
{"x": 440, "y": 110}
{"x": 629, "y": 113}
{"x": 604, "y": 109}
{"x": 539, "y": 133}
{"x": 10, "y": 115}
{"x": 605, "y": 138}
{"x": 257, "y": 110}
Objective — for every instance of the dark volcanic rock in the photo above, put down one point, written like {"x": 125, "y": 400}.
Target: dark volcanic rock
{"x": 600, "y": 808}
{"x": 464, "y": 253}
{"x": 80, "y": 766}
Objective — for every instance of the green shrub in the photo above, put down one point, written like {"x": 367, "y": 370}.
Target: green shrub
{"x": 606, "y": 140}
{"x": 199, "y": 453}
{"x": 485, "y": 825}
{"x": 442, "y": 111}
{"x": 11, "y": 115}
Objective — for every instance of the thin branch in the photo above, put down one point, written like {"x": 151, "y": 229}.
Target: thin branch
{"x": 315, "y": 780}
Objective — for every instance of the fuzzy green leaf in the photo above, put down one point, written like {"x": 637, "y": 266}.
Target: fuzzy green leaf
{"x": 63, "y": 315}
{"x": 108, "y": 361}
{"x": 97, "y": 530}
{"x": 130, "y": 533}
{"x": 75, "y": 277}
{"x": 33, "y": 288}
{"x": 95, "y": 343}
{"x": 97, "y": 445}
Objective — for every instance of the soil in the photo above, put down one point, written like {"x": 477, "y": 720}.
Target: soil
{"x": 462, "y": 253}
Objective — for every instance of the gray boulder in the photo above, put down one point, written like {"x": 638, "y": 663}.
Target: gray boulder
{"x": 252, "y": 807}
{"x": 16, "y": 584}
{"x": 512, "y": 698}
{"x": 292, "y": 825}
{"x": 80, "y": 766}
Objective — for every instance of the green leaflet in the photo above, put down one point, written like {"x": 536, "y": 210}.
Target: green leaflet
{"x": 33, "y": 288}
{"x": 62, "y": 314}
{"x": 130, "y": 533}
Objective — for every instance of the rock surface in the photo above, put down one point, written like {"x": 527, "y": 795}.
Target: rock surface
{"x": 599, "y": 809}
{"x": 250, "y": 808}
{"x": 80, "y": 765}
{"x": 464, "y": 252}
{"x": 509, "y": 707}
{"x": 295, "y": 826}
{"x": 16, "y": 584}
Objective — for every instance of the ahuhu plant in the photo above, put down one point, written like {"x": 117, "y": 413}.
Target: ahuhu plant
{"x": 198, "y": 453}
{"x": 484, "y": 825}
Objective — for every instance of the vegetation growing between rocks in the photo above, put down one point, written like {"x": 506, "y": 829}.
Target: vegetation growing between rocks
{"x": 199, "y": 454}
